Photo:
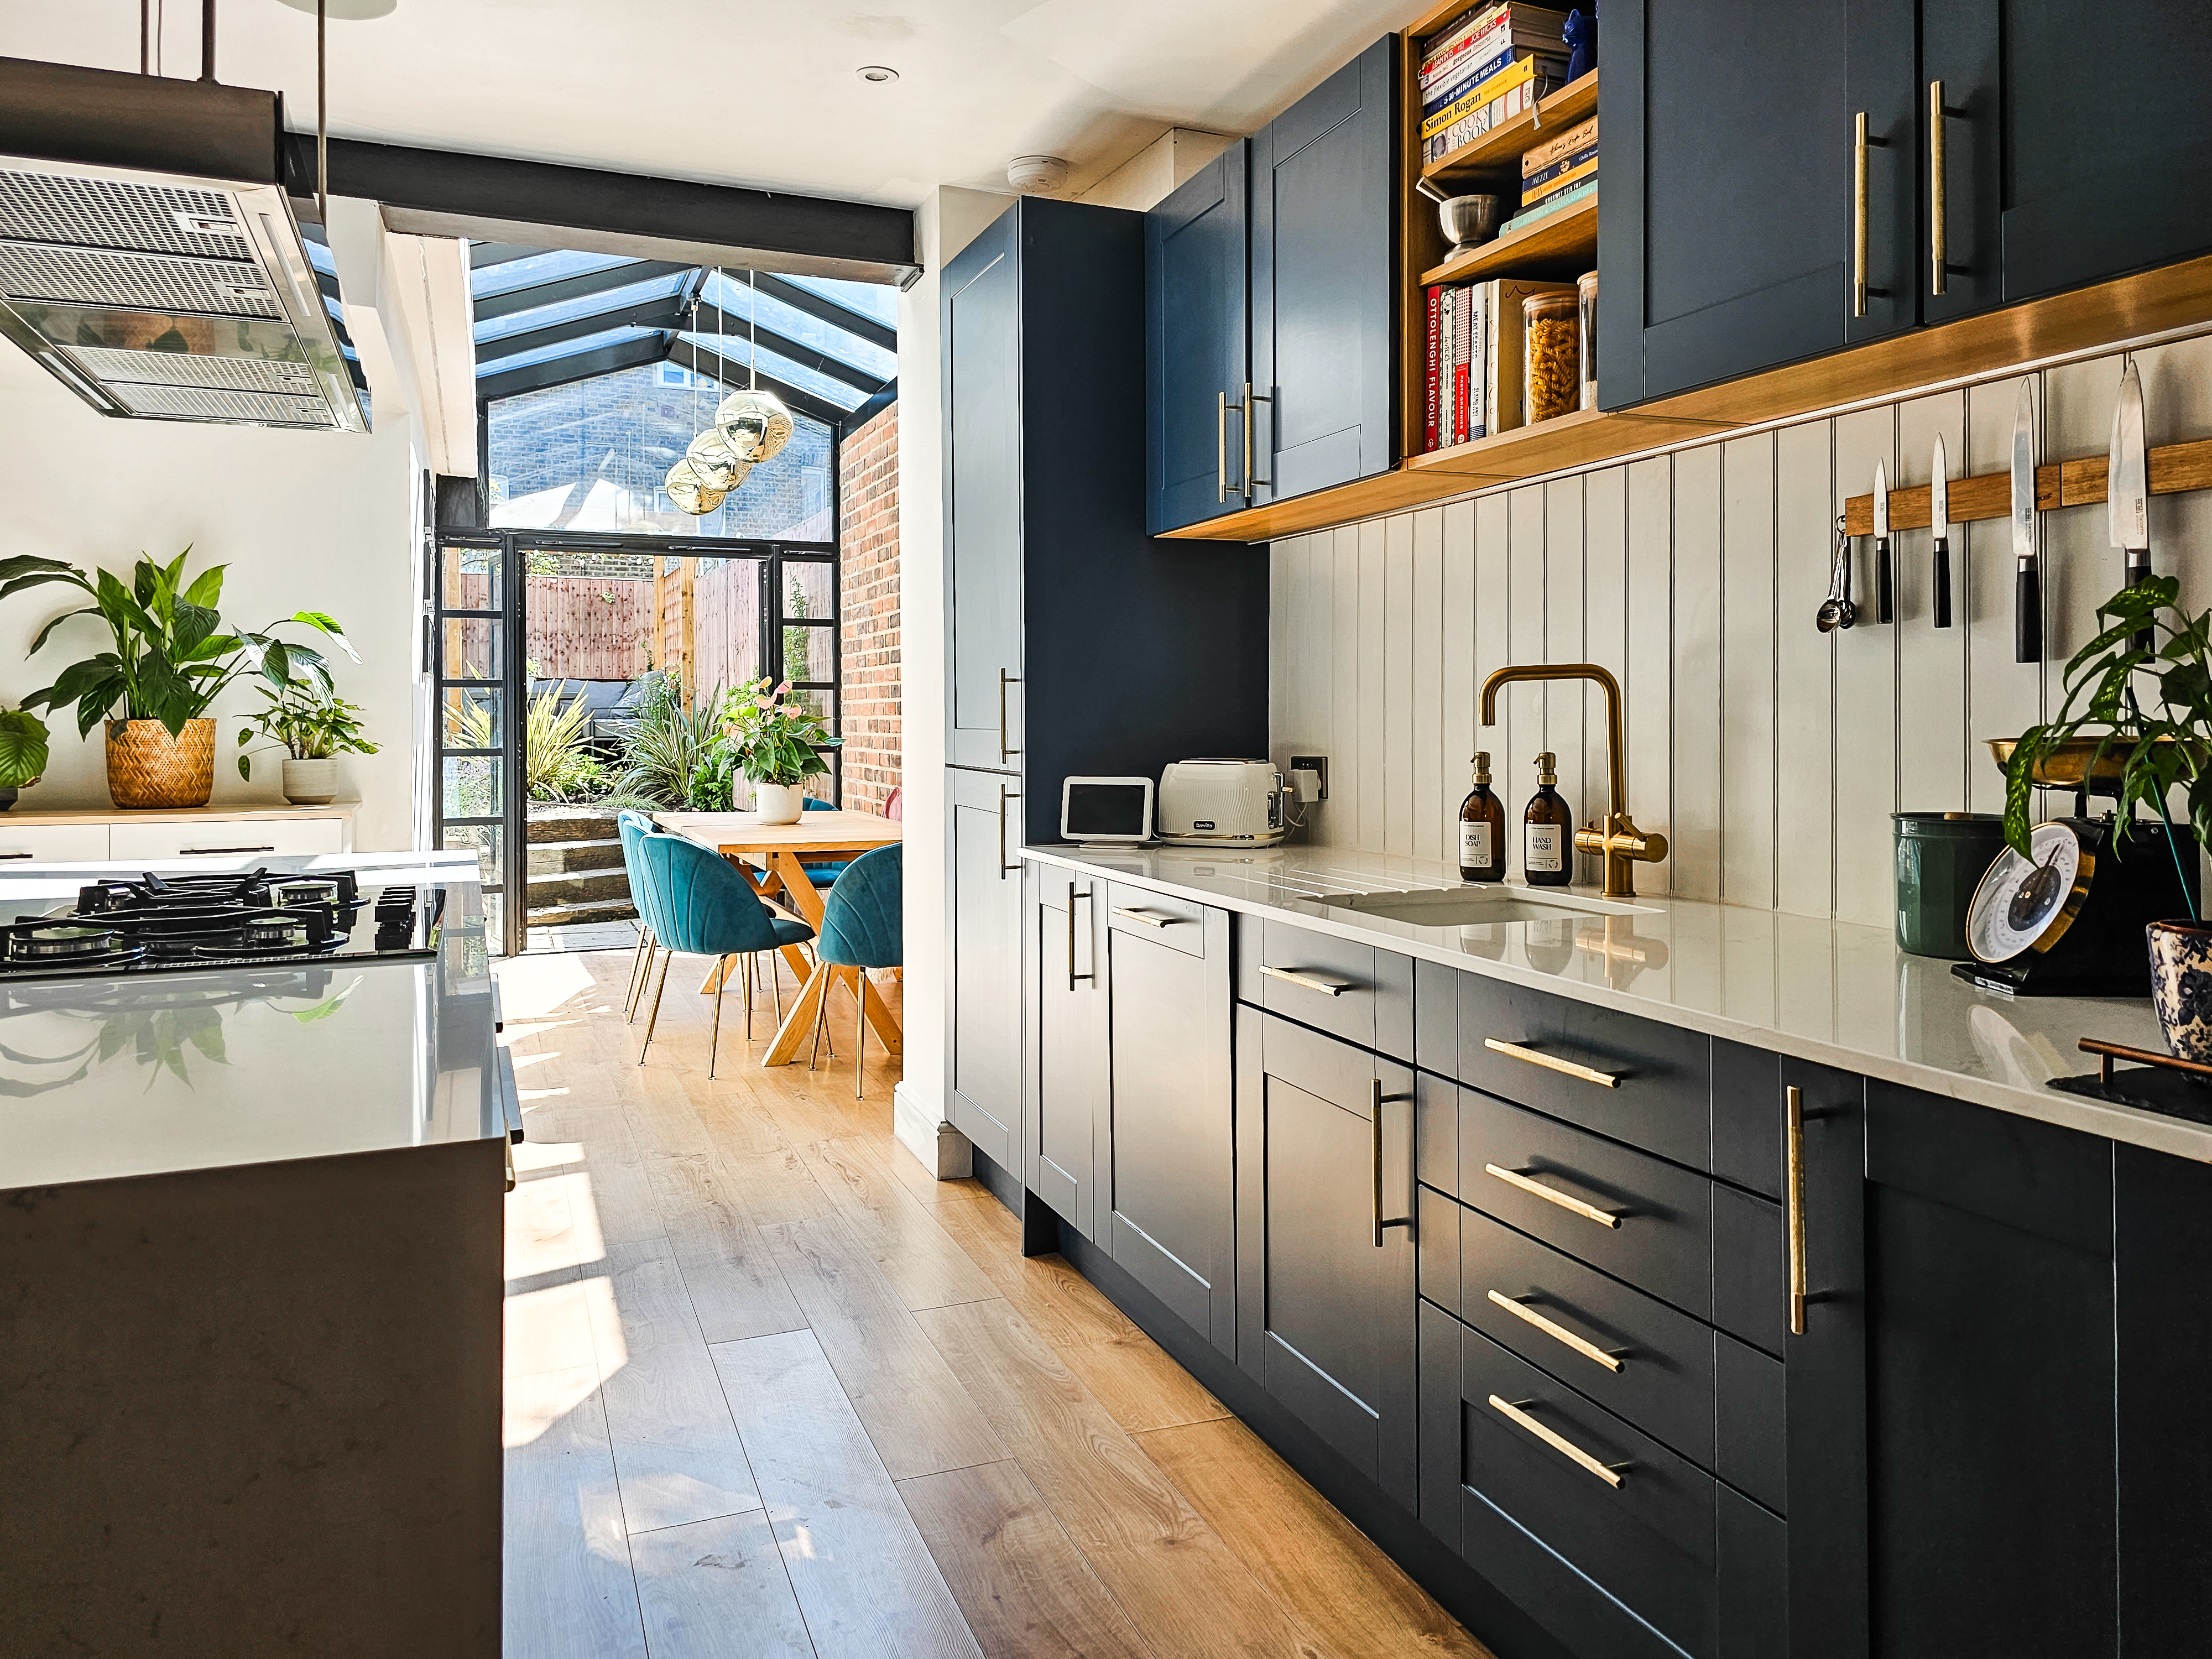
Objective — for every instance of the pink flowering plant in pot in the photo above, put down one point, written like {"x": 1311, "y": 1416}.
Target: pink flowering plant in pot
{"x": 776, "y": 742}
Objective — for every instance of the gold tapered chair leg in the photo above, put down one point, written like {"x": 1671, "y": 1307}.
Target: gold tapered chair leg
{"x": 821, "y": 1018}
{"x": 752, "y": 974}
{"x": 860, "y": 1026}
{"x": 714, "y": 1041}
{"x": 775, "y": 982}
{"x": 641, "y": 970}
{"x": 652, "y": 1019}
{"x": 636, "y": 956}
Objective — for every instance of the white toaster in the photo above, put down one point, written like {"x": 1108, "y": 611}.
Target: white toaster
{"x": 1218, "y": 802}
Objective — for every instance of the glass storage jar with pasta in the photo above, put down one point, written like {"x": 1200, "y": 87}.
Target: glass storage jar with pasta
{"x": 1554, "y": 373}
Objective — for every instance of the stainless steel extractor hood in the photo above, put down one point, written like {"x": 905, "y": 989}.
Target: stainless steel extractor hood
{"x": 149, "y": 255}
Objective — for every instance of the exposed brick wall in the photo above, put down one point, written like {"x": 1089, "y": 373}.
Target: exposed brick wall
{"x": 868, "y": 602}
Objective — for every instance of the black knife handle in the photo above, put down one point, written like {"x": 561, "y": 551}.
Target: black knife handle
{"x": 1942, "y": 581}
{"x": 2028, "y": 614}
{"x": 2138, "y": 572}
{"x": 1883, "y": 605}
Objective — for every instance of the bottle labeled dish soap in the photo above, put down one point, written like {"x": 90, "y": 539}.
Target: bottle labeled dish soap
{"x": 1547, "y": 830}
{"x": 1481, "y": 829}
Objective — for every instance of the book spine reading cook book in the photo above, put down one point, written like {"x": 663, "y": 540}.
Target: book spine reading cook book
{"x": 1434, "y": 367}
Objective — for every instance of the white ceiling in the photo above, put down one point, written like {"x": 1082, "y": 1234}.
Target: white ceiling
{"x": 759, "y": 94}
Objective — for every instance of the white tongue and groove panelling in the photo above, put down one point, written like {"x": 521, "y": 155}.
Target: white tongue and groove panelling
{"x": 1771, "y": 755}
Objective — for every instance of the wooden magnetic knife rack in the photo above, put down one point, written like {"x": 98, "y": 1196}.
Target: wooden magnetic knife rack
{"x": 2173, "y": 468}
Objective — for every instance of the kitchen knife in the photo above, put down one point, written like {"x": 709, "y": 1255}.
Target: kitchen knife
{"x": 1882, "y": 584}
{"x": 2127, "y": 488}
{"x": 2027, "y": 585}
{"x": 1939, "y": 523}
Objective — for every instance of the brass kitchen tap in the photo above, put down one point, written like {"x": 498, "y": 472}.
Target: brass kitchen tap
{"x": 1618, "y": 840}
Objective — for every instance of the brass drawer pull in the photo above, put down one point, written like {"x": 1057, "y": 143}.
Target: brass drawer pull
{"x": 1556, "y": 1331}
{"x": 1794, "y": 1135}
{"x": 1552, "y": 1062}
{"x": 1147, "y": 918}
{"x": 1611, "y": 1473}
{"x": 1566, "y": 1201}
{"x": 1328, "y": 987}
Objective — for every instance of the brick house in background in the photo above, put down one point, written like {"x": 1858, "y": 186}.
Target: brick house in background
{"x": 868, "y": 538}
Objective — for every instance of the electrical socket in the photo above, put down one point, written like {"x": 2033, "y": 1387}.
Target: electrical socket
{"x": 1318, "y": 764}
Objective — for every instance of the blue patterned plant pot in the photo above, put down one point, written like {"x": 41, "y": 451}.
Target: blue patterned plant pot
{"x": 2181, "y": 986}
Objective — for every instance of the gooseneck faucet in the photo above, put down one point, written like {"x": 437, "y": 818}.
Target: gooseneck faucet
{"x": 1617, "y": 839}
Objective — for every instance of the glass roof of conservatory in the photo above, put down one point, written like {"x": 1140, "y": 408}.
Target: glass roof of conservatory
{"x": 547, "y": 317}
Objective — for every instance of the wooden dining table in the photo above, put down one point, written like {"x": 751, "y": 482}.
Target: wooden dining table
{"x": 773, "y": 857}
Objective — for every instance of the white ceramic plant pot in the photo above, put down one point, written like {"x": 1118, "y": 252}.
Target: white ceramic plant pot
{"x": 779, "y": 802}
{"x": 311, "y": 782}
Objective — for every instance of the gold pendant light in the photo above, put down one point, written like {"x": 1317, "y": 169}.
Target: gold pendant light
{"x": 753, "y": 424}
{"x": 690, "y": 493}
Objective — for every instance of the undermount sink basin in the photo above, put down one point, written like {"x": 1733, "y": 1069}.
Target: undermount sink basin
{"x": 1480, "y": 906}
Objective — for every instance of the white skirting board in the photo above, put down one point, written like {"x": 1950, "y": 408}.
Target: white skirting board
{"x": 943, "y": 1150}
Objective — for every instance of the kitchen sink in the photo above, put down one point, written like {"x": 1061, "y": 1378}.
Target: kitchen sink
{"x": 1479, "y": 906}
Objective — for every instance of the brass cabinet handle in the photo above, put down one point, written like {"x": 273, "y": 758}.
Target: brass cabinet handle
{"x": 1936, "y": 241}
{"x": 1566, "y": 1201}
{"x": 1328, "y": 987}
{"x": 1005, "y": 680}
{"x": 1794, "y": 1108}
{"x": 1556, "y": 1331}
{"x": 1147, "y": 918}
{"x": 1375, "y": 1144}
{"x": 1252, "y": 478}
{"x": 1071, "y": 974}
{"x": 1553, "y": 1063}
{"x": 1611, "y": 1473}
{"x": 1861, "y": 144}
{"x": 1221, "y": 450}
{"x": 1005, "y": 868}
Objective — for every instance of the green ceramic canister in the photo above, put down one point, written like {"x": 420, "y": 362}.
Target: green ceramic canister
{"x": 1940, "y": 858}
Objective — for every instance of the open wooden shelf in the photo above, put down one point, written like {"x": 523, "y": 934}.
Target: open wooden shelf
{"x": 1497, "y": 152}
{"x": 1994, "y": 343}
{"x": 1569, "y": 236}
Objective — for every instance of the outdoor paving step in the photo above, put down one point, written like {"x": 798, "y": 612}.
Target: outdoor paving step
{"x": 558, "y": 823}
{"x": 581, "y": 888}
{"x": 573, "y": 857}
{"x": 559, "y": 915}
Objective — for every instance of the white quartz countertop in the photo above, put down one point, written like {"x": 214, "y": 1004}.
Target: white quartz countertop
{"x": 1837, "y": 992}
{"x": 139, "y": 1074}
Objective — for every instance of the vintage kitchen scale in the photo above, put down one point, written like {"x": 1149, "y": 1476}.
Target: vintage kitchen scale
{"x": 2069, "y": 920}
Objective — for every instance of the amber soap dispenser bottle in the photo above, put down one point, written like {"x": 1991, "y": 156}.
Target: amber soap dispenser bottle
{"x": 1546, "y": 830}
{"x": 1481, "y": 829}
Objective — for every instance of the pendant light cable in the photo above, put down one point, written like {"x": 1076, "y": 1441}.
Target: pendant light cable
{"x": 322, "y": 116}
{"x": 752, "y": 327}
{"x": 145, "y": 36}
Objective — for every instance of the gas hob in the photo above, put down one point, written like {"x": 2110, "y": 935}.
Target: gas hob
{"x": 162, "y": 924}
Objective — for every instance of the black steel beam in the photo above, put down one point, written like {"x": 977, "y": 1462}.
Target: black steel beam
{"x": 828, "y": 310}
{"x": 562, "y": 371}
{"x": 868, "y": 411}
{"x": 484, "y": 254}
{"x": 571, "y": 287}
{"x": 712, "y": 319}
{"x": 732, "y": 375}
{"x": 499, "y": 199}
{"x": 67, "y": 113}
{"x": 664, "y": 313}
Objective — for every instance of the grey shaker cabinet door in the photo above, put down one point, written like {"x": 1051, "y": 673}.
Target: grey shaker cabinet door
{"x": 983, "y": 989}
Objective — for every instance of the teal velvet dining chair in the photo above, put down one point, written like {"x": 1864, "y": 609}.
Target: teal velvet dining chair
{"x": 823, "y": 872}
{"x": 633, "y": 827}
{"x": 699, "y": 905}
{"x": 861, "y": 928}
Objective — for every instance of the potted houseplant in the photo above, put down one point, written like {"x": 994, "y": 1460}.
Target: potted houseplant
{"x": 777, "y": 744}
{"x": 23, "y": 752}
{"x": 170, "y": 655}
{"x": 313, "y": 725}
{"x": 2142, "y": 690}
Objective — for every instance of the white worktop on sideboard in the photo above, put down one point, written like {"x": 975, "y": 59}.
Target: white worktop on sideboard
{"x": 1837, "y": 992}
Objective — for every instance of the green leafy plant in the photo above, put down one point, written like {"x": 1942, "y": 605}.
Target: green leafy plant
{"x": 775, "y": 739}
{"x": 557, "y": 758}
{"x": 2164, "y": 746}
{"x": 307, "y": 722}
{"x": 22, "y": 748}
{"x": 663, "y": 745}
{"x": 173, "y": 654}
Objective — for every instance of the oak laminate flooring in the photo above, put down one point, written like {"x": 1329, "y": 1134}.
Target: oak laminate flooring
{"x": 1354, "y": 1600}
{"x": 614, "y": 1171}
{"x": 717, "y": 1590}
{"x": 1170, "y": 1571}
{"x": 920, "y": 1418}
{"x": 567, "y": 1591}
{"x": 677, "y": 1458}
{"x": 549, "y": 1325}
{"x": 1026, "y": 1590}
{"x": 736, "y": 1290}
{"x": 1134, "y": 1378}
{"x": 926, "y": 1269}
{"x": 865, "y": 1580}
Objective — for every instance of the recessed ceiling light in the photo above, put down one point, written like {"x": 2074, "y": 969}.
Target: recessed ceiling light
{"x": 877, "y": 73}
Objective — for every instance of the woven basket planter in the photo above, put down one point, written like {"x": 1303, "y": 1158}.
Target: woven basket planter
{"x": 147, "y": 767}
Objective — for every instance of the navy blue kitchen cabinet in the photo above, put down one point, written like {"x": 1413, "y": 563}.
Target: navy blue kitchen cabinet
{"x": 1198, "y": 345}
{"x": 1270, "y": 344}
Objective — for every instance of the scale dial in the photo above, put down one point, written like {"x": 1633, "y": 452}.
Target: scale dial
{"x": 2028, "y": 904}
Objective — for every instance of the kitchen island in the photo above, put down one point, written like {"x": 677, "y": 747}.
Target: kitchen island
{"x": 252, "y": 1270}
{"x": 1648, "y": 1277}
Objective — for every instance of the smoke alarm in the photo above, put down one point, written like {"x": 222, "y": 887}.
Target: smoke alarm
{"x": 1036, "y": 174}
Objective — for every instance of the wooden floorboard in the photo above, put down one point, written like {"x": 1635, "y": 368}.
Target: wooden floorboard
{"x": 742, "y": 1290}
{"x": 717, "y": 1590}
{"x": 1026, "y": 1589}
{"x": 865, "y": 1580}
{"x": 1330, "y": 1577}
